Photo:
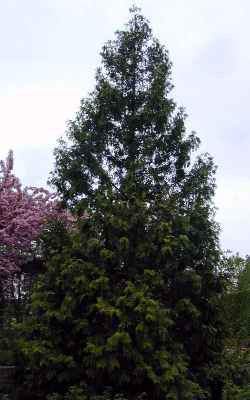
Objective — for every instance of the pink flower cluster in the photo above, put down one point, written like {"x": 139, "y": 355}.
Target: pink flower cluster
{"x": 23, "y": 213}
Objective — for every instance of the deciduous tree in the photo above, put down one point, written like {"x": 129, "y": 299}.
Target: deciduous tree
{"x": 24, "y": 213}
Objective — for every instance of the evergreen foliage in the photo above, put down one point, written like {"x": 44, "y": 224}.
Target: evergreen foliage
{"x": 129, "y": 307}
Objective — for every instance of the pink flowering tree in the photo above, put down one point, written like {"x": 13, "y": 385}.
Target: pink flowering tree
{"x": 23, "y": 215}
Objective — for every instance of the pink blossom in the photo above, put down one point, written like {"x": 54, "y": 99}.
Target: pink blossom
{"x": 23, "y": 214}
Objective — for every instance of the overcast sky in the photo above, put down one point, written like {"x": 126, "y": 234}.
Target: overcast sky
{"x": 49, "y": 50}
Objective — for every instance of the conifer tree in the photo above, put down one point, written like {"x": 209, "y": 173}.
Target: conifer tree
{"x": 132, "y": 304}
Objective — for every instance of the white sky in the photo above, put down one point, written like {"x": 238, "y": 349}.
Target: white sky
{"x": 49, "y": 50}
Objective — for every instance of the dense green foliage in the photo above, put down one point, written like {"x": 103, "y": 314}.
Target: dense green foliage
{"x": 237, "y": 299}
{"x": 129, "y": 307}
{"x": 236, "y": 307}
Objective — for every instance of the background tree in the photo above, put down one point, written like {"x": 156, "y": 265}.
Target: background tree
{"x": 24, "y": 213}
{"x": 237, "y": 299}
{"x": 131, "y": 304}
{"x": 22, "y": 217}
